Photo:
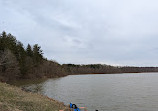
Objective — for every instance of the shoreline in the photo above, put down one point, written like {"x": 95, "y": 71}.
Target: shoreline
{"x": 108, "y": 73}
{"x": 46, "y": 78}
{"x": 13, "y": 98}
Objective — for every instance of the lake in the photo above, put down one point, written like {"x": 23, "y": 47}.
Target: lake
{"x": 109, "y": 92}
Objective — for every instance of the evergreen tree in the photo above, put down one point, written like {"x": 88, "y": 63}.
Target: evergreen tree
{"x": 7, "y": 42}
{"x": 21, "y": 55}
{"x": 29, "y": 50}
{"x": 37, "y": 54}
{"x": 11, "y": 43}
{"x": 3, "y": 40}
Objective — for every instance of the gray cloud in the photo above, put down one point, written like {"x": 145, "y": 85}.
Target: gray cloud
{"x": 113, "y": 32}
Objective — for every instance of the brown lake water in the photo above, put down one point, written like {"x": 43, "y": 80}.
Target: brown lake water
{"x": 109, "y": 92}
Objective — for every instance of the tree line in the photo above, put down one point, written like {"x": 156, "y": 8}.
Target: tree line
{"x": 105, "y": 69}
{"x": 18, "y": 62}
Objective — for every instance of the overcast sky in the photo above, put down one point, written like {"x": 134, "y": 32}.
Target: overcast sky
{"x": 115, "y": 32}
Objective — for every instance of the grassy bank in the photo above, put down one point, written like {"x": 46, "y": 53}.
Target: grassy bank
{"x": 14, "y": 99}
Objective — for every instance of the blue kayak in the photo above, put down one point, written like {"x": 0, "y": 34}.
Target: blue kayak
{"x": 74, "y": 107}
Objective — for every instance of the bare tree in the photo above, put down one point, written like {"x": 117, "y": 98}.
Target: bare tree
{"x": 8, "y": 65}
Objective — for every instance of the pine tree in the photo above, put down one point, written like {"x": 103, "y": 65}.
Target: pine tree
{"x": 37, "y": 54}
{"x": 29, "y": 50}
{"x": 21, "y": 55}
{"x": 3, "y": 40}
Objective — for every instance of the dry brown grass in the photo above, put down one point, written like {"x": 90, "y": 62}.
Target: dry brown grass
{"x": 14, "y": 99}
